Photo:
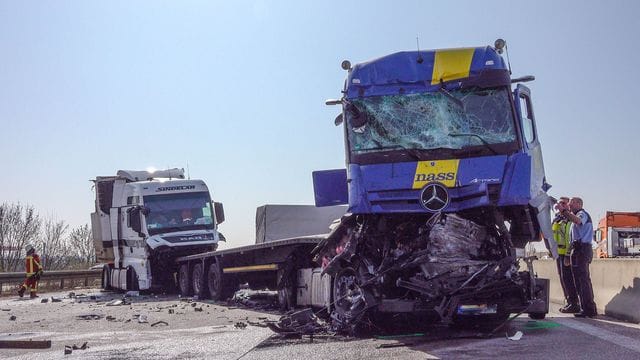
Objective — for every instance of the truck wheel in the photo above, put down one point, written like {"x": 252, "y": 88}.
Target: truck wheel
{"x": 183, "y": 280}
{"x": 106, "y": 278}
{"x": 537, "y": 316}
{"x": 198, "y": 281}
{"x": 220, "y": 288}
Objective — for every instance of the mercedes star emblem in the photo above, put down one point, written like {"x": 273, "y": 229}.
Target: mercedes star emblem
{"x": 434, "y": 197}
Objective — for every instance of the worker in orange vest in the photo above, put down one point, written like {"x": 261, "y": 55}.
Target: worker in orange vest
{"x": 34, "y": 271}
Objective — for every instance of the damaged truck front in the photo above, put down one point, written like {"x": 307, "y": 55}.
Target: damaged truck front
{"x": 445, "y": 185}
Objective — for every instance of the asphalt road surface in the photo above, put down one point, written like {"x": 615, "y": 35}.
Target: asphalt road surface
{"x": 207, "y": 330}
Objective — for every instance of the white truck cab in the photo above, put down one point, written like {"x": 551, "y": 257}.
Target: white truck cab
{"x": 144, "y": 220}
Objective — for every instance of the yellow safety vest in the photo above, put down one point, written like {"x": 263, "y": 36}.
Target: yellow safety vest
{"x": 562, "y": 235}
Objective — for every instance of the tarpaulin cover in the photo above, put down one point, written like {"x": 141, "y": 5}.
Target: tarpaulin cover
{"x": 275, "y": 222}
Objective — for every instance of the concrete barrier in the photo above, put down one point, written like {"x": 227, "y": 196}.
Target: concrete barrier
{"x": 616, "y": 286}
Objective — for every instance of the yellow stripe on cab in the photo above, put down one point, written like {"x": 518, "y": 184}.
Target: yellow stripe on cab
{"x": 451, "y": 64}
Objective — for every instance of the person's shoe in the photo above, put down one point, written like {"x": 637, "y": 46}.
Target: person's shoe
{"x": 570, "y": 309}
{"x": 21, "y": 292}
{"x": 33, "y": 295}
{"x": 583, "y": 314}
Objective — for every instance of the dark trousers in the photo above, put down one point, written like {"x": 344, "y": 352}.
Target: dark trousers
{"x": 580, "y": 260}
{"x": 566, "y": 280}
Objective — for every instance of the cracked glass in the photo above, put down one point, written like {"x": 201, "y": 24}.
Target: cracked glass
{"x": 444, "y": 119}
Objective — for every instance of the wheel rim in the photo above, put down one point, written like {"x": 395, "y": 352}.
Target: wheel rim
{"x": 197, "y": 279}
{"x": 214, "y": 283}
{"x": 184, "y": 280}
{"x": 105, "y": 279}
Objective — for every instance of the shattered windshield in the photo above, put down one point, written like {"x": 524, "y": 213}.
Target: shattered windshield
{"x": 454, "y": 119}
{"x": 178, "y": 212}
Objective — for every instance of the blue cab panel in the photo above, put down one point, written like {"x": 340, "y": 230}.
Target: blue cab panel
{"x": 330, "y": 187}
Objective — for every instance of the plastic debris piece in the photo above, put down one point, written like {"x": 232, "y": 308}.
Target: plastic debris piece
{"x": 44, "y": 300}
{"x": 115, "y": 303}
{"x": 160, "y": 323}
{"x": 67, "y": 350}
{"x": 82, "y": 347}
{"x": 240, "y": 325}
{"x": 517, "y": 336}
{"x": 132, "y": 293}
{"x": 142, "y": 319}
{"x": 198, "y": 309}
{"x": 12, "y": 318}
{"x": 53, "y": 299}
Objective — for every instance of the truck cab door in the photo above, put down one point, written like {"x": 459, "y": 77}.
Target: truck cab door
{"x": 531, "y": 145}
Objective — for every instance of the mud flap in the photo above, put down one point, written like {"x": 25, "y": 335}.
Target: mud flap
{"x": 539, "y": 304}
{"x": 542, "y": 204}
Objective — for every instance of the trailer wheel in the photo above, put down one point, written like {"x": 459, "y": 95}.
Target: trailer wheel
{"x": 220, "y": 288}
{"x": 183, "y": 280}
{"x": 106, "y": 277}
{"x": 198, "y": 281}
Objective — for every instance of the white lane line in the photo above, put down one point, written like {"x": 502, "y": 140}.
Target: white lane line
{"x": 606, "y": 335}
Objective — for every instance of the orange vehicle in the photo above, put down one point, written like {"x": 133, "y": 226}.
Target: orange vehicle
{"x": 618, "y": 234}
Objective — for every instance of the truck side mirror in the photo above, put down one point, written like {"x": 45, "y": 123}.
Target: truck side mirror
{"x": 135, "y": 222}
{"x": 219, "y": 210}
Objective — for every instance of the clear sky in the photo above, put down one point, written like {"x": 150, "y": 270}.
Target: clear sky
{"x": 236, "y": 90}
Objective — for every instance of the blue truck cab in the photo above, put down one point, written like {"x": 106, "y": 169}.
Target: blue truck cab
{"x": 441, "y": 148}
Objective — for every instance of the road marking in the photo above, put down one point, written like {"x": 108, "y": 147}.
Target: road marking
{"x": 621, "y": 340}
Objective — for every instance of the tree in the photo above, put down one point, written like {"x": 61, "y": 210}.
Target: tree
{"x": 54, "y": 245}
{"x": 19, "y": 225}
{"x": 81, "y": 241}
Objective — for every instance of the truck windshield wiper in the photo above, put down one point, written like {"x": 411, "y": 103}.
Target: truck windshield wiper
{"x": 452, "y": 98}
{"x": 484, "y": 142}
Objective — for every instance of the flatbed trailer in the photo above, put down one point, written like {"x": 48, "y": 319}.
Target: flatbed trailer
{"x": 282, "y": 265}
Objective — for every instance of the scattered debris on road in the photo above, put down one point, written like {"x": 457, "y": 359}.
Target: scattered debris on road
{"x": 25, "y": 344}
{"x": 89, "y": 317}
{"x": 240, "y": 325}
{"x": 160, "y": 323}
{"x": 302, "y": 322}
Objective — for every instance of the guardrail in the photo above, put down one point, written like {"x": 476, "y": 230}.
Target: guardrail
{"x": 60, "y": 277}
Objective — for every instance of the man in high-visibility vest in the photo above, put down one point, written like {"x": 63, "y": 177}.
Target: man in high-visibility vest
{"x": 34, "y": 270}
{"x": 562, "y": 235}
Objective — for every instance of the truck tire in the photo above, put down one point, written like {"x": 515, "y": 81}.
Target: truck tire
{"x": 198, "y": 283}
{"x": 132, "y": 279}
{"x": 537, "y": 316}
{"x": 106, "y": 278}
{"x": 219, "y": 287}
{"x": 183, "y": 280}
